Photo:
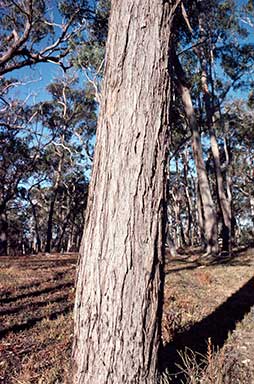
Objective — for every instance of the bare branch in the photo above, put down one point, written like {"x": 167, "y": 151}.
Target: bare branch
{"x": 186, "y": 19}
{"x": 53, "y": 53}
{"x": 18, "y": 42}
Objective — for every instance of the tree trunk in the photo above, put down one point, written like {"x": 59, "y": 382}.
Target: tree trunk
{"x": 188, "y": 199}
{"x": 59, "y": 245}
{"x": 50, "y": 223}
{"x": 210, "y": 218}
{"x": 119, "y": 288}
{"x": 52, "y": 204}
{"x": 224, "y": 201}
{"x": 37, "y": 247}
{"x": 180, "y": 237}
{"x": 200, "y": 215}
{"x": 3, "y": 236}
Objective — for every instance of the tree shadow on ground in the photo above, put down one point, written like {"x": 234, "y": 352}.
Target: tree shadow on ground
{"x": 185, "y": 261}
{"x": 215, "y": 326}
{"x": 30, "y": 322}
{"x": 52, "y": 288}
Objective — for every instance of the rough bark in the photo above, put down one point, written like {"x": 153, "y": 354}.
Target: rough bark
{"x": 119, "y": 286}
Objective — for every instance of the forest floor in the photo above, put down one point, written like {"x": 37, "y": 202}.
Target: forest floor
{"x": 36, "y": 302}
{"x": 208, "y": 319}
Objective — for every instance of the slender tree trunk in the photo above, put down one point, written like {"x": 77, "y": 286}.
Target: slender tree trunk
{"x": 59, "y": 244}
{"x": 3, "y": 236}
{"x": 77, "y": 242}
{"x": 119, "y": 288}
{"x": 176, "y": 208}
{"x": 180, "y": 237}
{"x": 171, "y": 235}
{"x": 200, "y": 215}
{"x": 188, "y": 199}
{"x": 210, "y": 217}
{"x": 224, "y": 201}
{"x": 37, "y": 248}
{"x": 50, "y": 223}
{"x": 52, "y": 204}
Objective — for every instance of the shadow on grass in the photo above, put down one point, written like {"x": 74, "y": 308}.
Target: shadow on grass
{"x": 183, "y": 261}
{"x": 18, "y": 288}
{"x": 215, "y": 326}
{"x": 31, "y": 306}
{"x": 32, "y": 321}
{"x": 37, "y": 263}
{"x": 39, "y": 292}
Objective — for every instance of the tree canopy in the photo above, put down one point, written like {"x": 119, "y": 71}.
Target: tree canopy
{"x": 213, "y": 54}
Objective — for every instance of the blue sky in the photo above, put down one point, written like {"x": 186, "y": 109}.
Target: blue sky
{"x": 34, "y": 81}
{"x": 37, "y": 77}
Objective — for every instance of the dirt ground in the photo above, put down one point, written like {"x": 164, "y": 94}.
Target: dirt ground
{"x": 36, "y": 302}
{"x": 208, "y": 319}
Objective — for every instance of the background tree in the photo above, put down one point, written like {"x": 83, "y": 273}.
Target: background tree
{"x": 39, "y": 32}
{"x": 213, "y": 47}
{"x": 17, "y": 162}
{"x": 217, "y": 62}
{"x": 70, "y": 117}
{"x": 62, "y": 128}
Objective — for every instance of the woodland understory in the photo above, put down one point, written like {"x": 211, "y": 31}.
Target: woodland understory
{"x": 207, "y": 317}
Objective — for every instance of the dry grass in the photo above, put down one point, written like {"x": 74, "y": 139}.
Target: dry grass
{"x": 36, "y": 300}
{"x": 208, "y": 321}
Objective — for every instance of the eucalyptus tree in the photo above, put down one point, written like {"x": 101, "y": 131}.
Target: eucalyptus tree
{"x": 39, "y": 31}
{"x": 239, "y": 134}
{"x": 68, "y": 214}
{"x": 70, "y": 120}
{"x": 17, "y": 162}
{"x": 118, "y": 300}
{"x": 209, "y": 210}
{"x": 212, "y": 35}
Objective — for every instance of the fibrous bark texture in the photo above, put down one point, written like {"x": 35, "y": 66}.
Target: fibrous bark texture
{"x": 119, "y": 286}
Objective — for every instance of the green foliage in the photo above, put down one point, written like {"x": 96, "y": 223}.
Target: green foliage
{"x": 30, "y": 32}
{"x": 35, "y": 138}
{"x": 91, "y": 53}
